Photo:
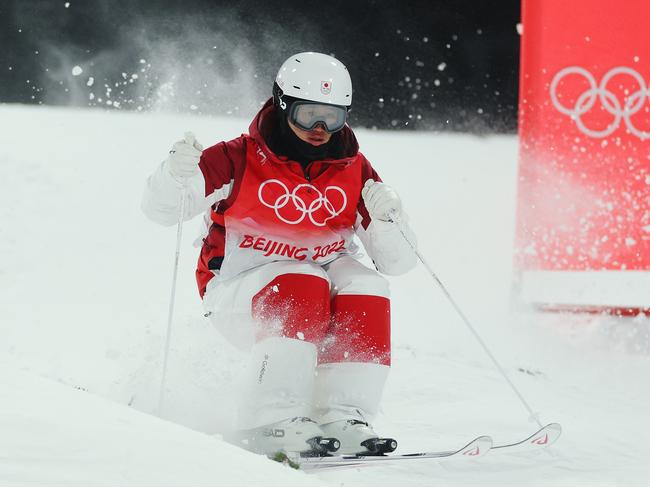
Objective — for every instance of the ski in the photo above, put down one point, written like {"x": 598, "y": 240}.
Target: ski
{"x": 541, "y": 439}
{"x": 477, "y": 448}
{"x": 474, "y": 449}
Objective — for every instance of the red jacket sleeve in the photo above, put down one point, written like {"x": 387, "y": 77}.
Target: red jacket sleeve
{"x": 367, "y": 172}
{"x": 221, "y": 163}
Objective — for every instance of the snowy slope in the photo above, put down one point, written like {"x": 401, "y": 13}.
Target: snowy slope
{"x": 55, "y": 435}
{"x": 85, "y": 281}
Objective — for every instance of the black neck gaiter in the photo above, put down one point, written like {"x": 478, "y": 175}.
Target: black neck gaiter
{"x": 284, "y": 142}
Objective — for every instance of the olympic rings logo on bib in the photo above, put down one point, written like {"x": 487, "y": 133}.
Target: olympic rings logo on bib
{"x": 620, "y": 110}
{"x": 292, "y": 207}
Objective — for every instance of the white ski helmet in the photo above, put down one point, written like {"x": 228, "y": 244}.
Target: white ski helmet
{"x": 315, "y": 77}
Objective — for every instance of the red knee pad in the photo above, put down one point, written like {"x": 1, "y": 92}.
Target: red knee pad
{"x": 294, "y": 306}
{"x": 359, "y": 331}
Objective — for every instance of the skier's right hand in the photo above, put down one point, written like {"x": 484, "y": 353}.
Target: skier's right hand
{"x": 183, "y": 160}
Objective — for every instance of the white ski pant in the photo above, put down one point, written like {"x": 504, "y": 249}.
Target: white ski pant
{"x": 319, "y": 339}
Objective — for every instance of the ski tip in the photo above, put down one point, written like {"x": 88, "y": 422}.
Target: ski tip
{"x": 477, "y": 448}
{"x": 547, "y": 435}
{"x": 557, "y": 427}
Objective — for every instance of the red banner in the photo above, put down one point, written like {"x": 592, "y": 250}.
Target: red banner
{"x": 584, "y": 169}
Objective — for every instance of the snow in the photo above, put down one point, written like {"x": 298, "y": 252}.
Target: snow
{"x": 85, "y": 283}
{"x": 56, "y": 435}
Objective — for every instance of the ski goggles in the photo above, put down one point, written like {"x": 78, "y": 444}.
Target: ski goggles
{"x": 306, "y": 115}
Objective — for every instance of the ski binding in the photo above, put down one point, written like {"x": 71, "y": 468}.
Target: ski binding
{"x": 475, "y": 449}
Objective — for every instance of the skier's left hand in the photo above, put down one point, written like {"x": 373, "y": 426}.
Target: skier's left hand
{"x": 381, "y": 201}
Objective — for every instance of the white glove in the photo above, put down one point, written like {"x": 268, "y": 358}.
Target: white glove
{"x": 183, "y": 160}
{"x": 381, "y": 201}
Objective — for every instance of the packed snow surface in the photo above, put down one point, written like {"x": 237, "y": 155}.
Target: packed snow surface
{"x": 85, "y": 282}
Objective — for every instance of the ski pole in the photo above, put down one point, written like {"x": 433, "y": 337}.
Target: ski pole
{"x": 189, "y": 137}
{"x": 532, "y": 415}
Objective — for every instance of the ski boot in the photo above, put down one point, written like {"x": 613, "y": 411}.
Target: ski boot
{"x": 300, "y": 435}
{"x": 358, "y": 438}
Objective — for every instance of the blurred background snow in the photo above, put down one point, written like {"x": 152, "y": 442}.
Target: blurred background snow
{"x": 433, "y": 65}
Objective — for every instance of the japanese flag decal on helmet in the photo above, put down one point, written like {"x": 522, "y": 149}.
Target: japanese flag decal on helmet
{"x": 316, "y": 77}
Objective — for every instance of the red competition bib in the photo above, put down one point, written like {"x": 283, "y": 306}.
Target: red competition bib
{"x": 278, "y": 214}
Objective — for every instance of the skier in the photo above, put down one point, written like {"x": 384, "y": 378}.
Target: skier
{"x": 278, "y": 271}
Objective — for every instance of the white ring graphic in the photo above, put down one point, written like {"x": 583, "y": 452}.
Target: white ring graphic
{"x": 299, "y": 204}
{"x": 632, "y": 104}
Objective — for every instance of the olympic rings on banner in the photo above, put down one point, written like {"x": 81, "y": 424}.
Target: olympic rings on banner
{"x": 624, "y": 110}
{"x": 299, "y": 205}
